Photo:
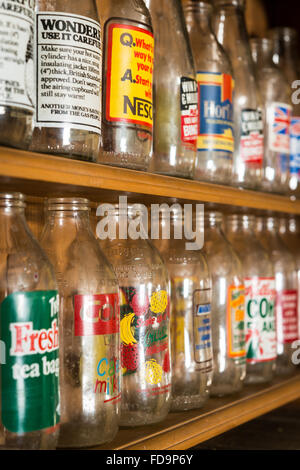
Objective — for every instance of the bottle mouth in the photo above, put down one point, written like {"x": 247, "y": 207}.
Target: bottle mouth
{"x": 12, "y": 200}
{"x": 67, "y": 204}
{"x": 229, "y": 3}
{"x": 213, "y": 218}
{"x": 241, "y": 219}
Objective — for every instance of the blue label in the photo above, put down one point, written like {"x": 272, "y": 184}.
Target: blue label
{"x": 215, "y": 113}
{"x": 295, "y": 147}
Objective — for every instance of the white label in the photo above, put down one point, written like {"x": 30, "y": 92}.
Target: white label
{"x": 260, "y": 297}
{"x": 16, "y": 54}
{"x": 68, "y": 71}
{"x": 279, "y": 118}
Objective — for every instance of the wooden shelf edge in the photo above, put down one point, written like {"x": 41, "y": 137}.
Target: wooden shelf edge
{"x": 37, "y": 168}
{"x": 181, "y": 431}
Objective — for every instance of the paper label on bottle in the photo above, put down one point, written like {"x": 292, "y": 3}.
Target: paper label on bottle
{"x": 202, "y": 334}
{"x": 279, "y": 118}
{"x": 252, "y": 138}
{"x": 30, "y": 373}
{"x": 287, "y": 316}
{"x": 16, "y": 57}
{"x": 236, "y": 322}
{"x": 96, "y": 314}
{"x": 129, "y": 61}
{"x": 295, "y": 147}
{"x": 68, "y": 61}
{"x": 189, "y": 111}
{"x": 215, "y": 113}
{"x": 261, "y": 338}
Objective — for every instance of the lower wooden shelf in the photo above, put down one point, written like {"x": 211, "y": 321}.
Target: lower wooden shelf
{"x": 181, "y": 431}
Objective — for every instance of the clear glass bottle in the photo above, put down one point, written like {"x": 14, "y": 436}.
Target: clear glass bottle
{"x": 29, "y": 335}
{"x": 286, "y": 56}
{"x": 277, "y": 113}
{"x": 260, "y": 296}
{"x": 68, "y": 74}
{"x": 286, "y": 309}
{"x": 215, "y": 142}
{"x": 145, "y": 317}
{"x": 230, "y": 29}
{"x": 289, "y": 230}
{"x": 89, "y": 305}
{"x": 228, "y": 309}
{"x": 127, "y": 114}
{"x": 192, "y": 356}
{"x": 175, "y": 92}
{"x": 17, "y": 93}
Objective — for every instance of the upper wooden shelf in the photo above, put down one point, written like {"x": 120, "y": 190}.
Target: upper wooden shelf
{"x": 40, "y": 175}
{"x": 181, "y": 431}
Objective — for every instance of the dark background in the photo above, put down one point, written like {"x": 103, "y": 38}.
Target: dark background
{"x": 283, "y": 13}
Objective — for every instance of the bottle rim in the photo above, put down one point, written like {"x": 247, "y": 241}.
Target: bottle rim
{"x": 241, "y": 218}
{"x": 197, "y": 5}
{"x": 213, "y": 217}
{"x": 13, "y": 199}
{"x": 229, "y": 3}
{"x": 67, "y": 204}
{"x": 283, "y": 33}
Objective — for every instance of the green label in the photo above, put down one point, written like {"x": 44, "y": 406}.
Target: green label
{"x": 30, "y": 375}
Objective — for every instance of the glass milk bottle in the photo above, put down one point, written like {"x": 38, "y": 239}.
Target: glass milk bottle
{"x": 68, "y": 53}
{"x": 228, "y": 309}
{"x": 286, "y": 56}
{"x": 229, "y": 26}
{"x": 144, "y": 312}
{"x": 277, "y": 113}
{"x": 286, "y": 309}
{"x": 215, "y": 141}
{"x": 90, "y": 359}
{"x": 175, "y": 91}
{"x": 29, "y": 332}
{"x": 192, "y": 358}
{"x": 127, "y": 114}
{"x": 260, "y": 296}
{"x": 17, "y": 93}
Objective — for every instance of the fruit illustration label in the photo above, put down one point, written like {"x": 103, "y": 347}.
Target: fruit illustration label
{"x": 215, "y": 113}
{"x": 202, "y": 333}
{"x": 279, "y": 117}
{"x": 129, "y": 62}
{"x": 295, "y": 147}
{"x": 236, "y": 322}
{"x": 30, "y": 375}
{"x": 287, "y": 316}
{"x": 252, "y": 138}
{"x": 16, "y": 58}
{"x": 144, "y": 330}
{"x": 189, "y": 111}
{"x": 68, "y": 64}
{"x": 260, "y": 319}
{"x": 96, "y": 314}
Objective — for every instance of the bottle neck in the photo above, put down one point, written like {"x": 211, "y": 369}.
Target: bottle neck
{"x": 268, "y": 225}
{"x": 198, "y": 15}
{"x": 240, "y": 224}
{"x": 230, "y": 28}
{"x": 262, "y": 52}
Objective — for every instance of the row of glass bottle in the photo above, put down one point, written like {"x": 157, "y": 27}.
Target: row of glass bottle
{"x": 241, "y": 138}
{"x": 189, "y": 323}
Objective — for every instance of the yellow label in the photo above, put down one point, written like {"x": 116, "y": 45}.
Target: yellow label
{"x": 236, "y": 322}
{"x": 129, "y": 74}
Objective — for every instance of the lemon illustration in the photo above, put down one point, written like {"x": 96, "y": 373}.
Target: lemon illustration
{"x": 153, "y": 372}
{"x": 159, "y": 301}
{"x": 127, "y": 330}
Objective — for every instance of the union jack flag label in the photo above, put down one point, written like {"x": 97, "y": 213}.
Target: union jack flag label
{"x": 279, "y": 129}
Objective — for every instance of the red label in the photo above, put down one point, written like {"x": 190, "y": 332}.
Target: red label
{"x": 287, "y": 316}
{"x": 96, "y": 314}
{"x": 252, "y": 148}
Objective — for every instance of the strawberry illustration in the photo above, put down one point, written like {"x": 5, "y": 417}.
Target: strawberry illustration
{"x": 139, "y": 304}
{"x": 129, "y": 356}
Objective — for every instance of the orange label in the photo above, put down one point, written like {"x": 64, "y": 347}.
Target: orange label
{"x": 129, "y": 74}
{"x": 236, "y": 322}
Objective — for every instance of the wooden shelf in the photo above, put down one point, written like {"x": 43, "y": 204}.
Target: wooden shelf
{"x": 181, "y": 431}
{"x": 41, "y": 175}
